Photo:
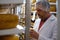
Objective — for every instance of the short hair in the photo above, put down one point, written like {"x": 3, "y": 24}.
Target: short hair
{"x": 45, "y": 4}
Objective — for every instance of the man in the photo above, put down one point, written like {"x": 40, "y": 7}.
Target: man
{"x": 45, "y": 27}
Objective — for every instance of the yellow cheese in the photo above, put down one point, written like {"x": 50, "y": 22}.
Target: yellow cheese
{"x": 9, "y": 37}
{"x": 52, "y": 0}
{"x": 33, "y": 1}
{"x": 8, "y": 21}
{"x": 53, "y": 8}
{"x": 33, "y": 8}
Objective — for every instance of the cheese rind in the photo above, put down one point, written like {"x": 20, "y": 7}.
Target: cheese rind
{"x": 8, "y": 21}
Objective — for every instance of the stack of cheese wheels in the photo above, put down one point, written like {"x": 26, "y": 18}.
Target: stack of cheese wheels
{"x": 52, "y": 0}
{"x": 8, "y": 21}
{"x": 9, "y": 37}
{"x": 53, "y": 8}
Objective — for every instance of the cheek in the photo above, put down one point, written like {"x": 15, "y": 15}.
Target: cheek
{"x": 39, "y": 14}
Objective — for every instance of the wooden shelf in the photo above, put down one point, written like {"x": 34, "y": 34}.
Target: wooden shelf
{"x": 52, "y": 3}
{"x": 17, "y": 30}
{"x": 11, "y": 1}
{"x": 53, "y": 12}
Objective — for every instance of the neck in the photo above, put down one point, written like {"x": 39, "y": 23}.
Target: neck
{"x": 48, "y": 15}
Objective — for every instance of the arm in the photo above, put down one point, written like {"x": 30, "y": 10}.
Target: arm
{"x": 54, "y": 37}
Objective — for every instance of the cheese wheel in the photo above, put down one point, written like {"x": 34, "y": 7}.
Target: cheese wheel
{"x": 8, "y": 21}
{"x": 33, "y": 1}
{"x": 9, "y": 37}
{"x": 52, "y": 0}
{"x": 53, "y": 8}
{"x": 33, "y": 8}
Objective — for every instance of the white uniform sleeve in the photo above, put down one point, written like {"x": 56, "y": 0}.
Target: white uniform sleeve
{"x": 54, "y": 37}
{"x": 36, "y": 24}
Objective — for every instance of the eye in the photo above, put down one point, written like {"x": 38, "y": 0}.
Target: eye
{"x": 39, "y": 10}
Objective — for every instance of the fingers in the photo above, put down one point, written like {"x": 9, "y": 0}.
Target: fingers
{"x": 31, "y": 29}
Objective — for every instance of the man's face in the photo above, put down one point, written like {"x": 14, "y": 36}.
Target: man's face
{"x": 40, "y": 11}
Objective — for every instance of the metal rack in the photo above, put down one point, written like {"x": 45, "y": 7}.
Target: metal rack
{"x": 18, "y": 2}
{"x": 11, "y": 4}
{"x": 11, "y": 1}
{"x": 17, "y": 30}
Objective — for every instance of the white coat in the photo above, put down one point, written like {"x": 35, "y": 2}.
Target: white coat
{"x": 49, "y": 29}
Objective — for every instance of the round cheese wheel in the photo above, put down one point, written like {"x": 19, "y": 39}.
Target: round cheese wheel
{"x": 9, "y": 37}
{"x": 33, "y": 1}
{"x": 33, "y": 8}
{"x": 52, "y": 0}
{"x": 53, "y": 8}
{"x": 8, "y": 21}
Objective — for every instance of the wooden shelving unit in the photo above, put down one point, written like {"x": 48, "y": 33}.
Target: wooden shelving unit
{"x": 13, "y": 31}
{"x": 53, "y": 6}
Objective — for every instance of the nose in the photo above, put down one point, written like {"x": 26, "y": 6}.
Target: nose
{"x": 37, "y": 12}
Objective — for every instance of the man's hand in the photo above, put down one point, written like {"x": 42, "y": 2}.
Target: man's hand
{"x": 33, "y": 33}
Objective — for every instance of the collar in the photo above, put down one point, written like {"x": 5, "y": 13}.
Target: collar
{"x": 46, "y": 18}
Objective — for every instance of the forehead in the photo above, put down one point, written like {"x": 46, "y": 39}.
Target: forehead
{"x": 40, "y": 7}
